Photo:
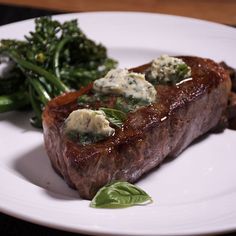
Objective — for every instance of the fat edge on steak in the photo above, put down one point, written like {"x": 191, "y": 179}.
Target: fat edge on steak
{"x": 149, "y": 135}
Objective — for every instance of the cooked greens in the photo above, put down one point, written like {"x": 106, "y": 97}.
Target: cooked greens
{"x": 55, "y": 58}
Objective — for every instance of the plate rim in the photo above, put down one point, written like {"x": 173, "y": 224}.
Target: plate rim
{"x": 71, "y": 15}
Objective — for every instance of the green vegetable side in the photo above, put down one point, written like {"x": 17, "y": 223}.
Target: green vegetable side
{"x": 120, "y": 195}
{"x": 55, "y": 58}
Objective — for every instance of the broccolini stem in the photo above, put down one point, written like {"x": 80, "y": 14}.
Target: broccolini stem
{"x": 47, "y": 75}
{"x": 13, "y": 101}
{"x": 35, "y": 105}
{"x": 56, "y": 58}
{"x": 43, "y": 94}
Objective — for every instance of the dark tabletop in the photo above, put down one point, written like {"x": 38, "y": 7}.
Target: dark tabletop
{"x": 10, "y": 225}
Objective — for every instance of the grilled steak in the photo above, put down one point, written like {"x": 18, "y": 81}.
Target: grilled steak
{"x": 149, "y": 135}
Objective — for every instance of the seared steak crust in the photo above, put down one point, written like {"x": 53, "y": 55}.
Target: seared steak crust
{"x": 180, "y": 115}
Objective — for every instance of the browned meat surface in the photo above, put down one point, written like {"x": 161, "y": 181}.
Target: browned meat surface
{"x": 232, "y": 74}
{"x": 231, "y": 113}
{"x": 150, "y": 134}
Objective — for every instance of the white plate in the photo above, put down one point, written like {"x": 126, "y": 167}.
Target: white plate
{"x": 193, "y": 194}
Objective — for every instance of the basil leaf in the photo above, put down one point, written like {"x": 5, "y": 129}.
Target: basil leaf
{"x": 120, "y": 195}
{"x": 129, "y": 104}
{"x": 182, "y": 71}
{"x": 88, "y": 138}
{"x": 84, "y": 99}
{"x": 84, "y": 138}
{"x": 116, "y": 117}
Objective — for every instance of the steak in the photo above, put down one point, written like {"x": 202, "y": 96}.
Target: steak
{"x": 150, "y": 134}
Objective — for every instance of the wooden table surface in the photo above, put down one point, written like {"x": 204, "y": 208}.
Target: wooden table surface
{"x": 222, "y": 11}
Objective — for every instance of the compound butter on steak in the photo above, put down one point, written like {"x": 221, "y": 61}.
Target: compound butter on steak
{"x": 125, "y": 124}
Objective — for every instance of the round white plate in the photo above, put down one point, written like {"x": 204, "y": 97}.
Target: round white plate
{"x": 193, "y": 194}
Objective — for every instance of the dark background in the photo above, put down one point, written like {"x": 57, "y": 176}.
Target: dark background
{"x": 10, "y": 225}
{"x": 9, "y": 14}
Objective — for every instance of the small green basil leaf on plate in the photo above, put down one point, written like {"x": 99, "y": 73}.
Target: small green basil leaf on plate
{"x": 120, "y": 195}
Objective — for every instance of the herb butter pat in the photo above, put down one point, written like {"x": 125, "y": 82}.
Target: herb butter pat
{"x": 167, "y": 69}
{"x": 89, "y": 121}
{"x": 125, "y": 83}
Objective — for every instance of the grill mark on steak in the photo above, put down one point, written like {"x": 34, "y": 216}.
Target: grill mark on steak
{"x": 150, "y": 134}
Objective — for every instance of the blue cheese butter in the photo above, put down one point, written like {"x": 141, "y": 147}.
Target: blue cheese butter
{"x": 168, "y": 69}
{"x": 87, "y": 121}
{"x": 125, "y": 83}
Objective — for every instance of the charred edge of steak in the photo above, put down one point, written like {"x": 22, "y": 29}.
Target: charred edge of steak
{"x": 232, "y": 74}
{"x": 150, "y": 134}
{"x": 231, "y": 111}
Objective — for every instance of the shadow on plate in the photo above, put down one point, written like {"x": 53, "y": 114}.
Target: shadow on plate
{"x": 19, "y": 119}
{"x": 36, "y": 168}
